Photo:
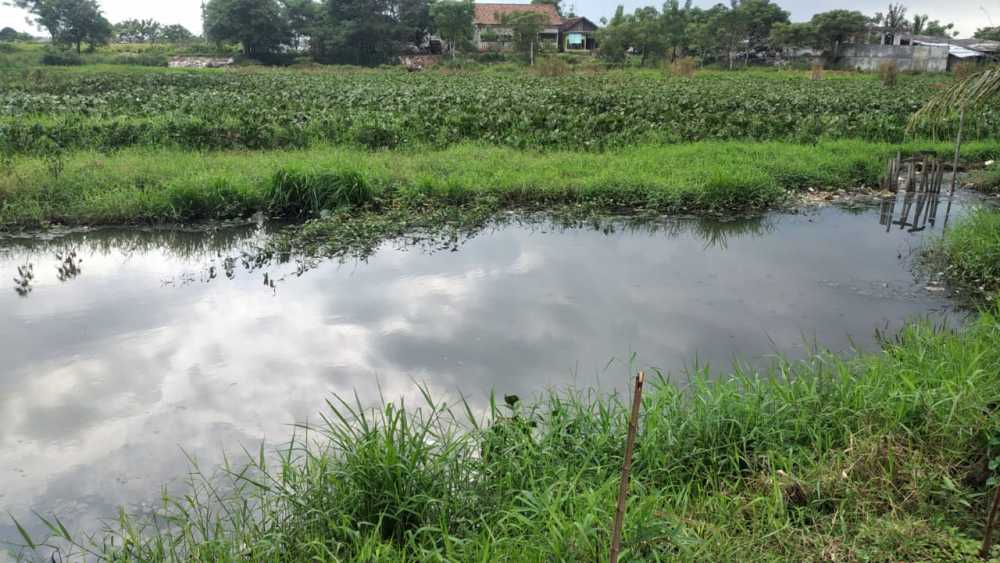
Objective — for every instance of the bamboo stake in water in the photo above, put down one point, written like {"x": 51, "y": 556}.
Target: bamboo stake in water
{"x": 958, "y": 152}
{"x": 633, "y": 425}
{"x": 984, "y": 552}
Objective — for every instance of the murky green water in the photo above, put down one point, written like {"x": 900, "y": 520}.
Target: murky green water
{"x": 120, "y": 348}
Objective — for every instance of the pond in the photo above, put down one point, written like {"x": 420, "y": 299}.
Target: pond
{"x": 123, "y": 351}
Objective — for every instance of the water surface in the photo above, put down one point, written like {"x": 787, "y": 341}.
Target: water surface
{"x": 121, "y": 347}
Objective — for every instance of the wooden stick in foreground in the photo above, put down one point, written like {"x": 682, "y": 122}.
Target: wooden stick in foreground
{"x": 990, "y": 521}
{"x": 633, "y": 426}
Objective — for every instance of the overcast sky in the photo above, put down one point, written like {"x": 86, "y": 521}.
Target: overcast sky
{"x": 966, "y": 14}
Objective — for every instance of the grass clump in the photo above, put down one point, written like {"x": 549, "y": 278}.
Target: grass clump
{"x": 971, "y": 252}
{"x": 884, "y": 456}
{"x": 300, "y": 192}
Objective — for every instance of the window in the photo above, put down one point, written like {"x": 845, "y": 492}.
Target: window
{"x": 576, "y": 41}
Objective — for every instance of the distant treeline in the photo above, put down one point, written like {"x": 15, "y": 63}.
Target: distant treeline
{"x": 371, "y": 32}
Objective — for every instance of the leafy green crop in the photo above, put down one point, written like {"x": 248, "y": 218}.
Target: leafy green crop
{"x": 271, "y": 109}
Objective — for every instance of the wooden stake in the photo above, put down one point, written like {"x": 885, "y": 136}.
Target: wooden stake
{"x": 633, "y": 426}
{"x": 984, "y": 552}
{"x": 958, "y": 152}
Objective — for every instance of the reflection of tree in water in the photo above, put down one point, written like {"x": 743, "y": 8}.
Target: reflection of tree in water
{"x": 22, "y": 283}
{"x": 69, "y": 267}
{"x": 69, "y": 249}
{"x": 247, "y": 249}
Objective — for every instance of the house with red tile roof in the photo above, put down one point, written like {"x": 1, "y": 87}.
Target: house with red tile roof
{"x": 571, "y": 34}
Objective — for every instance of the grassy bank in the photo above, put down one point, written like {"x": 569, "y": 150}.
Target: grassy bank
{"x": 969, "y": 253}
{"x": 882, "y": 457}
{"x": 164, "y": 185}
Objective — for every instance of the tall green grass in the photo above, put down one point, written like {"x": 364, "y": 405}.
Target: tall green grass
{"x": 881, "y": 457}
{"x": 165, "y": 185}
{"x": 970, "y": 252}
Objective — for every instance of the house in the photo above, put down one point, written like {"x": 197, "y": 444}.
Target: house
{"x": 577, "y": 35}
{"x": 977, "y": 51}
{"x": 570, "y": 34}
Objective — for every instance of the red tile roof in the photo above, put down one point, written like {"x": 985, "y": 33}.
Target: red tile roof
{"x": 490, "y": 14}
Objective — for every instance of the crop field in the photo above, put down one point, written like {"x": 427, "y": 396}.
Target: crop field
{"x": 45, "y": 110}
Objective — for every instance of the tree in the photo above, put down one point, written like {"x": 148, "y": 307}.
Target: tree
{"x": 614, "y": 38}
{"x": 69, "y": 22}
{"x": 893, "y": 20}
{"x": 8, "y": 34}
{"x": 138, "y": 31}
{"x": 362, "y": 32}
{"x": 835, "y": 27}
{"x": 988, "y": 33}
{"x": 717, "y": 33}
{"x": 453, "y": 21}
{"x": 301, "y": 16}
{"x": 525, "y": 27}
{"x": 757, "y": 18}
{"x": 935, "y": 28}
{"x": 414, "y": 17}
{"x": 555, "y": 3}
{"x": 675, "y": 23}
{"x": 257, "y": 25}
{"x": 176, "y": 34}
{"x": 792, "y": 36}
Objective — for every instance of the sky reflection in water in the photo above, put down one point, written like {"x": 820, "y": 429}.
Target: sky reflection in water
{"x": 125, "y": 346}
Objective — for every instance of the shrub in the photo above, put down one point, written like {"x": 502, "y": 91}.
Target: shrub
{"x": 684, "y": 66}
{"x": 816, "y": 73}
{"x": 491, "y": 57}
{"x": 145, "y": 59}
{"x": 552, "y": 66}
{"x": 297, "y": 192}
{"x": 59, "y": 57}
{"x": 962, "y": 70}
{"x": 889, "y": 73}
{"x": 7, "y": 48}
{"x": 376, "y": 134}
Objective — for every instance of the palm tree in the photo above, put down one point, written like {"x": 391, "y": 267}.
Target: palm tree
{"x": 965, "y": 94}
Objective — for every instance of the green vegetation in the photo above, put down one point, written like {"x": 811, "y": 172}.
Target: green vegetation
{"x": 881, "y": 457}
{"x": 142, "y": 186}
{"x": 107, "y": 109}
{"x": 970, "y": 253}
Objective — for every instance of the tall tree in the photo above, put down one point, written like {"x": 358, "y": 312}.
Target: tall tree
{"x": 675, "y": 23}
{"x": 8, "y": 34}
{"x": 893, "y": 20}
{"x": 525, "y": 27}
{"x": 302, "y": 16}
{"x": 787, "y": 36}
{"x": 615, "y": 38}
{"x": 453, "y": 21}
{"x": 757, "y": 17}
{"x": 69, "y": 22}
{"x": 257, "y": 25}
{"x": 835, "y": 27}
{"x": 718, "y": 32}
{"x": 360, "y": 32}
